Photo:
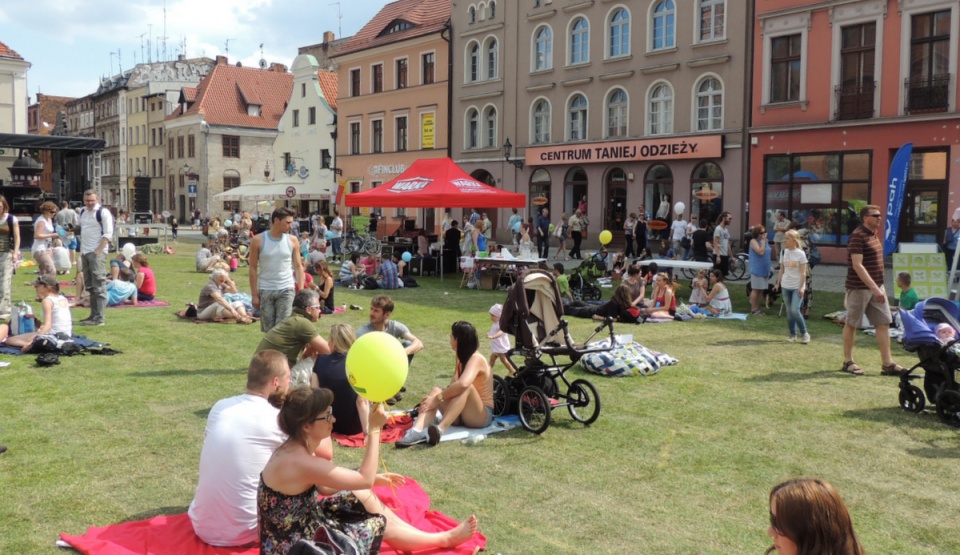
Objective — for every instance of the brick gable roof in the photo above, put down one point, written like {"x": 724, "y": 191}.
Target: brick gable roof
{"x": 224, "y": 94}
{"x": 7, "y": 52}
{"x": 427, "y": 16}
{"x": 328, "y": 86}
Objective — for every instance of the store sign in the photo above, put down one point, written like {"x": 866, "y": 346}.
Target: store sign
{"x": 192, "y": 189}
{"x": 427, "y": 130}
{"x": 710, "y": 146}
{"x": 540, "y": 201}
{"x": 706, "y": 194}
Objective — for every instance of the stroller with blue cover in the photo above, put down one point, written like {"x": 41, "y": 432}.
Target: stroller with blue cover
{"x": 940, "y": 361}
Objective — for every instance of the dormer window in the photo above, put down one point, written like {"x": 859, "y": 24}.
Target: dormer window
{"x": 396, "y": 26}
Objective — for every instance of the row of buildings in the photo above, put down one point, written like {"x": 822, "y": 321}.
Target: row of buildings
{"x": 721, "y": 105}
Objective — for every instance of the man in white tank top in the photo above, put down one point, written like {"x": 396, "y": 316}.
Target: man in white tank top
{"x": 272, "y": 283}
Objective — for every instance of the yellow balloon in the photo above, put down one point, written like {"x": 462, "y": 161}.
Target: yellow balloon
{"x": 377, "y": 366}
{"x": 605, "y": 237}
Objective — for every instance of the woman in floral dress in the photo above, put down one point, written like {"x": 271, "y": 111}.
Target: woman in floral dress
{"x": 300, "y": 493}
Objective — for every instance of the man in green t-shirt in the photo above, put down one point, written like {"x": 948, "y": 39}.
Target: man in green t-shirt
{"x": 563, "y": 282}
{"x": 299, "y": 331}
{"x": 908, "y": 295}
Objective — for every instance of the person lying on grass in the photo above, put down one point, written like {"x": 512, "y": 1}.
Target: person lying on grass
{"x": 56, "y": 320}
{"x": 122, "y": 290}
{"x": 289, "y": 504}
{"x": 467, "y": 401}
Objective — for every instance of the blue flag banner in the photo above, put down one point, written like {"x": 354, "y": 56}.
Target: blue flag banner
{"x": 895, "y": 191}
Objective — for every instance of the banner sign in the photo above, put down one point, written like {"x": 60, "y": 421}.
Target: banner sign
{"x": 709, "y": 146}
{"x": 895, "y": 190}
{"x": 427, "y": 131}
{"x": 340, "y": 189}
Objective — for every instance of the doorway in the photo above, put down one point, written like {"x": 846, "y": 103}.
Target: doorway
{"x": 925, "y": 202}
{"x": 615, "y": 210}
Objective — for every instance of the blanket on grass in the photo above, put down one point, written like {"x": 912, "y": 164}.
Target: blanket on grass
{"x": 173, "y": 534}
{"x": 80, "y": 340}
{"x": 142, "y": 304}
{"x": 395, "y": 429}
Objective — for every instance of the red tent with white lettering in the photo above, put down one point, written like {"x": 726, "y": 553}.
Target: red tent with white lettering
{"x": 436, "y": 183}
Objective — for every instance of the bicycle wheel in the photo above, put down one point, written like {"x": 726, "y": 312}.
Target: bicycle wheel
{"x": 689, "y": 273}
{"x": 737, "y": 269}
{"x": 371, "y": 245}
{"x": 350, "y": 246}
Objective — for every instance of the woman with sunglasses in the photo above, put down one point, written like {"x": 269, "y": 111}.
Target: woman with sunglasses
{"x": 43, "y": 232}
{"x": 300, "y": 493}
{"x": 808, "y": 517}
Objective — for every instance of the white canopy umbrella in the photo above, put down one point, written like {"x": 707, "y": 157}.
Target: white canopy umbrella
{"x": 289, "y": 188}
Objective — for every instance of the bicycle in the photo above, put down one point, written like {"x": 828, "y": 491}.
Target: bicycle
{"x": 355, "y": 242}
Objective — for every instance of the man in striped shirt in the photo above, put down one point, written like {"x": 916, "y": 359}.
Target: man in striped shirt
{"x": 865, "y": 292}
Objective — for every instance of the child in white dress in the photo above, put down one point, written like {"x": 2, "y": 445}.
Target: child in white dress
{"x": 698, "y": 289}
{"x": 499, "y": 341}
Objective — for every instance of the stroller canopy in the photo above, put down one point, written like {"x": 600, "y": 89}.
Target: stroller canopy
{"x": 533, "y": 308}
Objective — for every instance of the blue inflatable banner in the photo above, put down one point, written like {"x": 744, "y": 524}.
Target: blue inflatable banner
{"x": 895, "y": 190}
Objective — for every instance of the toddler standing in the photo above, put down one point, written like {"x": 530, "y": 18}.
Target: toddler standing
{"x": 499, "y": 342}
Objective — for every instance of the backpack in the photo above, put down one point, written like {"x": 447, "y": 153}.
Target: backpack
{"x": 814, "y": 257}
{"x": 99, "y": 218}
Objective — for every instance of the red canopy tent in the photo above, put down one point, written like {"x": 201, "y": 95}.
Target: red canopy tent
{"x": 436, "y": 183}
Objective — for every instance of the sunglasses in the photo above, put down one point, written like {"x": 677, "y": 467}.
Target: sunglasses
{"x": 316, "y": 306}
{"x": 874, "y": 215}
{"x": 329, "y": 415}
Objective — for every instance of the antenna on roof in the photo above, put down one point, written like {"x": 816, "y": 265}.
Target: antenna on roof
{"x": 339, "y": 19}
{"x": 142, "y": 59}
{"x": 226, "y": 47}
{"x": 149, "y": 43}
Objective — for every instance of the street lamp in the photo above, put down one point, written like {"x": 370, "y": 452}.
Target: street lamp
{"x": 186, "y": 169}
{"x": 507, "y": 148}
{"x": 138, "y": 173}
{"x": 266, "y": 171}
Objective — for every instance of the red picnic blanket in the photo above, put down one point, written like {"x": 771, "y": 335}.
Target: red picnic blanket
{"x": 173, "y": 534}
{"x": 392, "y": 432}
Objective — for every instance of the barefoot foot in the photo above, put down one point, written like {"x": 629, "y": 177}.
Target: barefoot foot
{"x": 463, "y": 532}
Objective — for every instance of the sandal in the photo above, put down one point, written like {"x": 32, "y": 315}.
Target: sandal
{"x": 892, "y": 370}
{"x": 851, "y": 367}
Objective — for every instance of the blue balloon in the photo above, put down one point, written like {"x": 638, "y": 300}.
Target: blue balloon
{"x": 406, "y": 257}
{"x": 228, "y": 223}
{"x": 329, "y": 235}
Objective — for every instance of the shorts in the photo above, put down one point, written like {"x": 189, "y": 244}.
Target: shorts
{"x": 73, "y": 245}
{"x": 758, "y": 282}
{"x": 860, "y": 303}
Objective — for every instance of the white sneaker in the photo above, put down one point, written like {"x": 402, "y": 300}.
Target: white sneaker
{"x": 792, "y": 339}
{"x": 805, "y": 339}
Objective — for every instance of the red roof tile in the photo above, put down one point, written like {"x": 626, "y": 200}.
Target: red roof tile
{"x": 427, "y": 16}
{"x": 328, "y": 86}
{"x": 223, "y": 95}
{"x": 7, "y": 52}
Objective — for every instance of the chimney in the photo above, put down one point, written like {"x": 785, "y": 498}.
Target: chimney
{"x": 279, "y": 68}
{"x": 328, "y": 36}
{"x": 181, "y": 57}
{"x": 221, "y": 60}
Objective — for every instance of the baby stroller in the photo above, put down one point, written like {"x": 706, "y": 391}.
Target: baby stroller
{"x": 939, "y": 362}
{"x": 583, "y": 286}
{"x": 533, "y": 314}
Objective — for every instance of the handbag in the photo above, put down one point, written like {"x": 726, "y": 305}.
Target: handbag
{"x": 685, "y": 242}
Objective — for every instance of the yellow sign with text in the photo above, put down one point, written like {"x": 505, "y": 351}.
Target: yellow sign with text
{"x": 427, "y": 130}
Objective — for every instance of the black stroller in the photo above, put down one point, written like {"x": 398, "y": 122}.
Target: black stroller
{"x": 533, "y": 314}
{"x": 940, "y": 362}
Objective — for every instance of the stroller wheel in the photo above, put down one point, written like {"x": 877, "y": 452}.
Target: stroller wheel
{"x": 912, "y": 399}
{"x": 591, "y": 292}
{"x": 501, "y": 396}
{"x": 948, "y": 408}
{"x": 534, "y": 408}
{"x": 580, "y": 395}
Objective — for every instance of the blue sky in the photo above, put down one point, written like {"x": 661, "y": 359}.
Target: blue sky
{"x": 69, "y": 43}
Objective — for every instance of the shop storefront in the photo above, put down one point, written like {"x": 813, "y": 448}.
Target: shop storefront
{"x": 823, "y": 189}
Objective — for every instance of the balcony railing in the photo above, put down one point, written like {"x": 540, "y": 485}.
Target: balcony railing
{"x": 855, "y": 101}
{"x": 929, "y": 94}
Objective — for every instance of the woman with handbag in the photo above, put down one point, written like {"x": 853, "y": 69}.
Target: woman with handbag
{"x": 578, "y": 224}
{"x": 561, "y": 231}
{"x": 304, "y": 498}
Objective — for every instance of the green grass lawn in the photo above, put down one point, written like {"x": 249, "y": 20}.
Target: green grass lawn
{"x": 681, "y": 462}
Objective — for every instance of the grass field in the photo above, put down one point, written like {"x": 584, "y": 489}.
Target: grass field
{"x": 680, "y": 462}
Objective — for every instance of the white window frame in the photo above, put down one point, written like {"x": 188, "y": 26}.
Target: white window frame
{"x": 573, "y": 40}
{"x": 667, "y": 125}
{"x": 608, "y": 35}
{"x": 471, "y": 14}
{"x": 653, "y": 16}
{"x": 698, "y": 22}
{"x": 568, "y": 116}
{"x": 918, "y": 7}
{"x": 468, "y": 76}
{"x": 695, "y": 95}
{"x": 359, "y": 123}
{"x": 396, "y": 74}
{"x": 624, "y": 115}
{"x": 468, "y": 132}
{"x": 779, "y": 26}
{"x": 548, "y": 121}
{"x": 486, "y": 72}
{"x": 488, "y": 140}
{"x": 396, "y": 142}
{"x": 373, "y": 136}
{"x": 548, "y": 54}
{"x": 422, "y": 67}
{"x": 844, "y": 16}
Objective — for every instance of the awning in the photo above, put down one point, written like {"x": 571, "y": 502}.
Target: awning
{"x": 282, "y": 189}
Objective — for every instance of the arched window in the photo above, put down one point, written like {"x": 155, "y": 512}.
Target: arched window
{"x": 490, "y": 128}
{"x": 661, "y": 110}
{"x": 492, "y": 59}
{"x": 473, "y": 128}
{"x": 577, "y": 118}
{"x": 706, "y": 184}
{"x": 481, "y": 12}
{"x": 619, "y": 34}
{"x": 472, "y": 15}
{"x": 580, "y": 41}
{"x": 543, "y": 49}
{"x": 711, "y": 20}
{"x": 710, "y": 105}
{"x": 658, "y": 194}
{"x": 493, "y": 9}
{"x": 663, "y": 31}
{"x": 540, "y": 184}
{"x": 541, "y": 121}
{"x": 473, "y": 66}
{"x": 617, "y": 113}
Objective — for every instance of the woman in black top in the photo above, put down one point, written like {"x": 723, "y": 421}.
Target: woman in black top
{"x": 330, "y": 371}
